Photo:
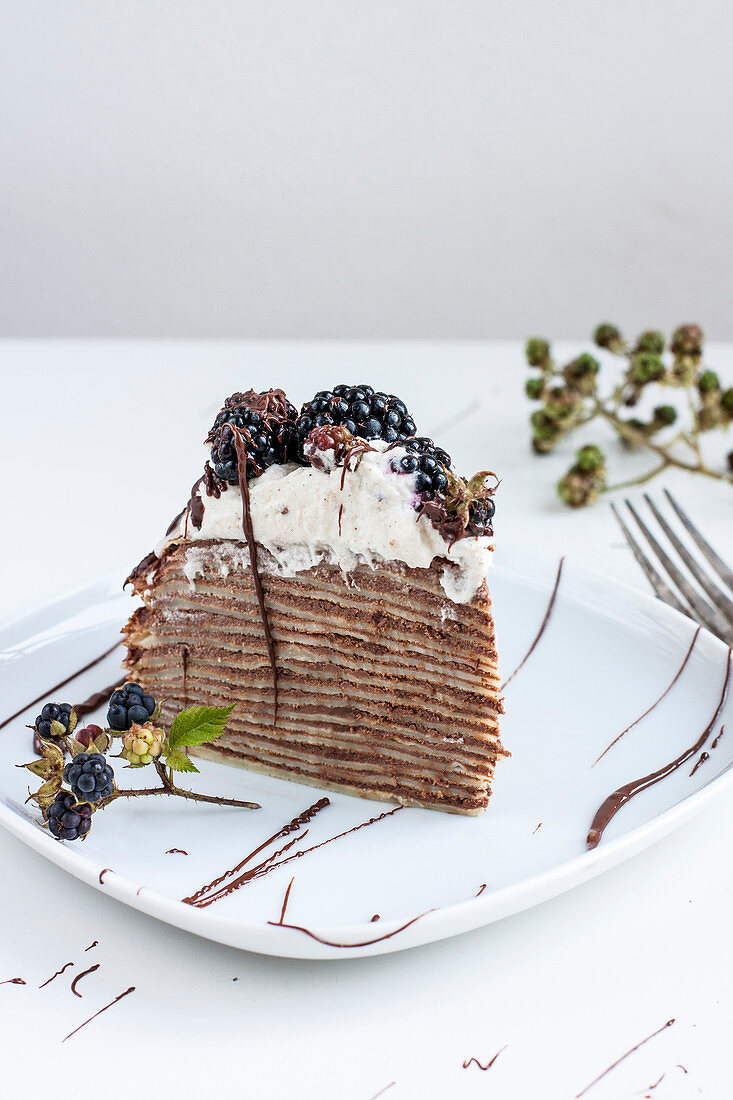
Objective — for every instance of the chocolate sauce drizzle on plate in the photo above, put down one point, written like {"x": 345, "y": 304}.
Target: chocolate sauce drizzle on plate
{"x": 211, "y": 892}
{"x": 56, "y": 975}
{"x": 14, "y": 981}
{"x": 543, "y": 626}
{"x": 700, "y": 760}
{"x": 489, "y": 1064}
{"x": 286, "y": 899}
{"x": 111, "y": 1003}
{"x": 78, "y": 978}
{"x": 91, "y": 945}
{"x": 623, "y": 1058}
{"x": 96, "y": 700}
{"x": 103, "y": 872}
{"x": 176, "y": 851}
{"x": 656, "y": 703}
{"x": 57, "y": 687}
{"x": 610, "y": 807}
{"x": 362, "y": 943}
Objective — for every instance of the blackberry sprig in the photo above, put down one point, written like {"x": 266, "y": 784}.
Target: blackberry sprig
{"x": 265, "y": 421}
{"x": 361, "y": 410}
{"x": 89, "y": 777}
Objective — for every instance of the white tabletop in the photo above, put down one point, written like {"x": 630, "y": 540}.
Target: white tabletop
{"x": 100, "y": 444}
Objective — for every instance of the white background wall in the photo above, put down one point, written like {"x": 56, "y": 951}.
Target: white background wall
{"x": 343, "y": 168}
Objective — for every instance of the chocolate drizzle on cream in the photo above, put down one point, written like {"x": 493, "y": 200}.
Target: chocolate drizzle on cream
{"x": 656, "y": 703}
{"x": 610, "y": 807}
{"x": 543, "y": 626}
{"x": 240, "y": 447}
{"x": 57, "y": 687}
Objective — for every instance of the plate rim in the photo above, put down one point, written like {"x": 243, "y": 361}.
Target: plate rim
{"x": 433, "y": 925}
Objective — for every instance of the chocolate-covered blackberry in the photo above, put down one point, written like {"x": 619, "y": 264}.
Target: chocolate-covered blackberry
{"x": 427, "y": 462}
{"x": 69, "y": 819}
{"x": 127, "y": 705}
{"x": 90, "y": 777}
{"x": 360, "y": 409}
{"x": 264, "y": 421}
{"x": 53, "y": 712}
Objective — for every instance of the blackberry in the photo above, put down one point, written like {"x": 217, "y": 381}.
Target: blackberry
{"x": 53, "y": 712}
{"x": 69, "y": 819}
{"x": 90, "y": 777}
{"x": 363, "y": 411}
{"x": 481, "y": 513}
{"x": 128, "y": 705}
{"x": 427, "y": 462}
{"x": 266, "y": 421}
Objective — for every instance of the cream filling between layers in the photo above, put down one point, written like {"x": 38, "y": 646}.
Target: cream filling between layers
{"x": 304, "y": 518}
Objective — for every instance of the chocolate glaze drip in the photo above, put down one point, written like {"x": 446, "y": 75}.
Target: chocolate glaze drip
{"x": 57, "y": 687}
{"x": 292, "y": 826}
{"x": 363, "y": 943}
{"x": 13, "y": 981}
{"x": 619, "y": 798}
{"x": 701, "y": 760}
{"x": 286, "y": 900}
{"x": 91, "y": 945}
{"x": 239, "y": 446}
{"x": 341, "y": 512}
{"x": 489, "y": 1064}
{"x": 213, "y": 486}
{"x": 622, "y": 1058}
{"x": 56, "y": 975}
{"x": 103, "y": 872}
{"x": 149, "y": 561}
{"x": 79, "y": 977}
{"x": 174, "y": 851}
{"x": 656, "y": 703}
{"x": 111, "y": 1003}
{"x": 543, "y": 626}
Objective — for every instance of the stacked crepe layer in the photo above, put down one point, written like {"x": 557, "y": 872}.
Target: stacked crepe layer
{"x": 385, "y": 688}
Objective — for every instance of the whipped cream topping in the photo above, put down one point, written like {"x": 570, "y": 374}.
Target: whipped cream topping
{"x": 304, "y": 518}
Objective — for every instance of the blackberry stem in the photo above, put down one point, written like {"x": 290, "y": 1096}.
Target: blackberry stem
{"x": 169, "y": 787}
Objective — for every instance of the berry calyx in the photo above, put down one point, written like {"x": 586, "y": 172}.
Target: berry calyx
{"x": 53, "y": 712}
{"x": 142, "y": 744}
{"x": 90, "y": 777}
{"x": 363, "y": 411}
{"x": 265, "y": 420}
{"x": 69, "y": 819}
{"x": 129, "y": 705}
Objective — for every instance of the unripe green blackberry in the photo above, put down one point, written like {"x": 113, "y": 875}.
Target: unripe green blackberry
{"x": 607, "y": 336}
{"x": 646, "y": 368}
{"x": 651, "y": 341}
{"x": 142, "y": 744}
{"x": 665, "y": 415}
{"x": 708, "y": 382}
{"x": 687, "y": 340}
{"x": 726, "y": 401}
{"x": 534, "y": 388}
{"x": 590, "y": 458}
{"x": 537, "y": 351}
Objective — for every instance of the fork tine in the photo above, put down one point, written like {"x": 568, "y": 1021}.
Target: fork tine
{"x": 721, "y": 568}
{"x": 720, "y": 600}
{"x": 709, "y": 616}
{"x": 660, "y": 586}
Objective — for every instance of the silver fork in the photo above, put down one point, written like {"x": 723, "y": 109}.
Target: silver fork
{"x": 715, "y": 612}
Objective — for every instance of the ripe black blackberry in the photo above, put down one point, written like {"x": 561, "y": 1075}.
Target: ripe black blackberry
{"x": 360, "y": 409}
{"x": 427, "y": 462}
{"x": 265, "y": 421}
{"x": 69, "y": 819}
{"x": 90, "y": 777}
{"x": 52, "y": 712}
{"x": 481, "y": 513}
{"x": 128, "y": 705}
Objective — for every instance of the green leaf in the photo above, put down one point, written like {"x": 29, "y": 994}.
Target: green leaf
{"x": 177, "y": 761}
{"x": 197, "y": 725}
